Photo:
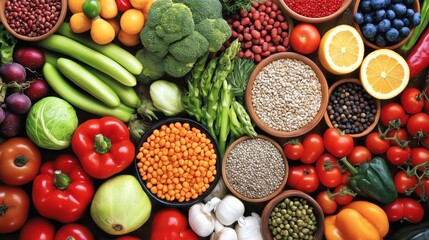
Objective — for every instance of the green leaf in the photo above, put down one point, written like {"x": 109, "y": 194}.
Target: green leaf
{"x": 7, "y": 44}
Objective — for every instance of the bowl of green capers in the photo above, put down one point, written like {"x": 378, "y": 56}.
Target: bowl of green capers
{"x": 292, "y": 214}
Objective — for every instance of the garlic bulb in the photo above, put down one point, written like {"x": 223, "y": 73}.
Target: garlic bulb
{"x": 223, "y": 233}
{"x": 200, "y": 218}
{"x": 219, "y": 191}
{"x": 229, "y": 210}
{"x": 249, "y": 228}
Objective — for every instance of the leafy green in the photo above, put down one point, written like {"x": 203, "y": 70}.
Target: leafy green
{"x": 239, "y": 77}
{"x": 231, "y": 7}
{"x": 7, "y": 44}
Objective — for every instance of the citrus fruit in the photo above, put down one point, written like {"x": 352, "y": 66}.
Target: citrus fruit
{"x": 341, "y": 50}
{"x": 384, "y": 73}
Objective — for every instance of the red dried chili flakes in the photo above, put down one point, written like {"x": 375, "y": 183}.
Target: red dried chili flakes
{"x": 314, "y": 8}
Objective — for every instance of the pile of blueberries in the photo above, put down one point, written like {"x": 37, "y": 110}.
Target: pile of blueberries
{"x": 386, "y": 22}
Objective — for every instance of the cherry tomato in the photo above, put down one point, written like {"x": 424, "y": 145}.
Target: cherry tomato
{"x": 419, "y": 156}
{"x": 403, "y": 182}
{"x": 304, "y": 178}
{"x": 305, "y": 38}
{"x": 418, "y": 122}
{"x": 345, "y": 178}
{"x": 326, "y": 202}
{"x": 128, "y": 238}
{"x": 358, "y": 155}
{"x": 412, "y": 100}
{"x": 404, "y": 209}
{"x": 328, "y": 171}
{"x": 376, "y": 144}
{"x": 398, "y": 156}
{"x": 14, "y": 208}
{"x": 37, "y": 228}
{"x": 400, "y": 134}
{"x": 20, "y": 161}
{"x": 392, "y": 111}
{"x": 74, "y": 231}
{"x": 337, "y": 143}
{"x": 293, "y": 149}
{"x": 424, "y": 186}
{"x": 313, "y": 145}
{"x": 343, "y": 194}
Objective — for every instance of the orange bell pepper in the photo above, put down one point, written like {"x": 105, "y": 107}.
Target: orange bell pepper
{"x": 359, "y": 220}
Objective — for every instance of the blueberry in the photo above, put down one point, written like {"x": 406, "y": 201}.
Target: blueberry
{"x": 392, "y": 35}
{"x": 383, "y": 25}
{"x": 397, "y": 23}
{"x": 415, "y": 19}
{"x": 369, "y": 30}
{"x": 406, "y": 22}
{"x": 379, "y": 40}
{"x": 390, "y": 14}
{"x": 368, "y": 18}
{"x": 409, "y": 12}
{"x": 400, "y": 9}
{"x": 365, "y": 6}
{"x": 388, "y": 2}
{"x": 378, "y": 4}
{"x": 404, "y": 32}
{"x": 358, "y": 17}
{"x": 380, "y": 15}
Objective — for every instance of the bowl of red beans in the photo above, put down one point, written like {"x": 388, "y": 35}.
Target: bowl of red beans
{"x": 314, "y": 11}
{"x": 32, "y": 20}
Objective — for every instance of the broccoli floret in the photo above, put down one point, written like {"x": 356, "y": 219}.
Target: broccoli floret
{"x": 156, "y": 10}
{"x": 203, "y": 9}
{"x": 176, "y": 68}
{"x": 216, "y": 31}
{"x": 175, "y": 24}
{"x": 189, "y": 48}
{"x": 152, "y": 42}
{"x": 152, "y": 66}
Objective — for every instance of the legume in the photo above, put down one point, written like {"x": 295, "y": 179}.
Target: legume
{"x": 255, "y": 168}
{"x": 286, "y": 94}
{"x": 351, "y": 109}
{"x": 314, "y": 8}
{"x": 177, "y": 162}
{"x": 32, "y": 18}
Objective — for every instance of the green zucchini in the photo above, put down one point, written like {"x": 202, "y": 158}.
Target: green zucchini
{"x": 418, "y": 231}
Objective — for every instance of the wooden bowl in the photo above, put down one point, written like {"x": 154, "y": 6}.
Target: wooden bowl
{"x": 377, "y": 105}
{"x": 323, "y": 104}
{"x": 266, "y": 232}
{"x": 416, "y": 7}
{"x": 301, "y": 18}
{"x": 61, "y": 18}
{"x": 238, "y": 194}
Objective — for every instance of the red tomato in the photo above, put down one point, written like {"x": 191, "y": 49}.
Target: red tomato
{"x": 400, "y": 134}
{"x": 412, "y": 100}
{"x": 313, "y": 146}
{"x": 337, "y": 143}
{"x": 418, "y": 122}
{"x": 326, "y": 202}
{"x": 392, "y": 111}
{"x": 304, "y": 178}
{"x": 376, "y": 144}
{"x": 328, "y": 171}
{"x": 404, "y": 209}
{"x": 398, "y": 156}
{"x": 359, "y": 154}
{"x": 345, "y": 178}
{"x": 424, "y": 186}
{"x": 128, "y": 238}
{"x": 343, "y": 194}
{"x": 419, "y": 156}
{"x": 403, "y": 182}
{"x": 293, "y": 149}
{"x": 14, "y": 208}
{"x": 305, "y": 38}
{"x": 74, "y": 231}
{"x": 37, "y": 228}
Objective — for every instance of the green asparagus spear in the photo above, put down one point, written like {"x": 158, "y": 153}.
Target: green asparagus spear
{"x": 206, "y": 79}
{"x": 244, "y": 118}
{"x": 224, "y": 116}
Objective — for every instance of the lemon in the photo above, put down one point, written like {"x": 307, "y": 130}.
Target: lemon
{"x": 384, "y": 73}
{"x": 341, "y": 50}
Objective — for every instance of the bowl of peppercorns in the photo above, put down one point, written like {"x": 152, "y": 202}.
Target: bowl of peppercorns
{"x": 32, "y": 20}
{"x": 351, "y": 109}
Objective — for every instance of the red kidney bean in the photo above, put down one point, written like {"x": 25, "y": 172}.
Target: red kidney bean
{"x": 243, "y": 13}
{"x": 280, "y": 48}
{"x": 271, "y": 21}
{"x": 236, "y": 24}
{"x": 268, "y": 10}
{"x": 268, "y": 38}
{"x": 264, "y": 23}
{"x": 245, "y": 21}
{"x": 265, "y": 46}
{"x": 286, "y": 41}
{"x": 256, "y": 15}
{"x": 240, "y": 54}
{"x": 277, "y": 39}
{"x": 247, "y": 53}
{"x": 273, "y": 15}
{"x": 240, "y": 28}
{"x": 248, "y": 44}
{"x": 263, "y": 33}
{"x": 233, "y": 34}
{"x": 255, "y": 4}
{"x": 246, "y": 30}
{"x": 280, "y": 17}
{"x": 229, "y": 21}
{"x": 257, "y": 49}
{"x": 271, "y": 49}
{"x": 274, "y": 7}
{"x": 284, "y": 25}
{"x": 268, "y": 3}
{"x": 279, "y": 30}
{"x": 255, "y": 41}
{"x": 247, "y": 36}
{"x": 261, "y": 40}
{"x": 258, "y": 24}
{"x": 266, "y": 53}
{"x": 268, "y": 27}
{"x": 276, "y": 24}
{"x": 252, "y": 27}
{"x": 240, "y": 37}
{"x": 250, "y": 14}
{"x": 274, "y": 33}
{"x": 258, "y": 57}
{"x": 262, "y": 8}
{"x": 255, "y": 34}
{"x": 284, "y": 34}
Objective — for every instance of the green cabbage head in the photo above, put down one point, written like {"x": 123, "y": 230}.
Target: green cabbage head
{"x": 51, "y": 122}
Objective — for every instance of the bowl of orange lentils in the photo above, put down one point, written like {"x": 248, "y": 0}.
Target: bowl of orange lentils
{"x": 177, "y": 162}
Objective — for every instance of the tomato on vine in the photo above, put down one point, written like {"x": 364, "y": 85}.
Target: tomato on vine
{"x": 418, "y": 124}
{"x": 393, "y": 111}
{"x": 304, "y": 178}
{"x": 327, "y": 202}
{"x": 403, "y": 182}
{"x": 313, "y": 145}
{"x": 359, "y": 154}
{"x": 397, "y": 136}
{"x": 337, "y": 143}
{"x": 412, "y": 100}
{"x": 422, "y": 189}
{"x": 376, "y": 143}
{"x": 397, "y": 155}
{"x": 343, "y": 194}
{"x": 406, "y": 209}
{"x": 328, "y": 170}
{"x": 293, "y": 149}
{"x": 420, "y": 156}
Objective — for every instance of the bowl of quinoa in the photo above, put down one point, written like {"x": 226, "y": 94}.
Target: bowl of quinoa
{"x": 287, "y": 95}
{"x": 255, "y": 169}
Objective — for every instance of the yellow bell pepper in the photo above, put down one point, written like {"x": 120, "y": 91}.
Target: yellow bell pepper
{"x": 359, "y": 220}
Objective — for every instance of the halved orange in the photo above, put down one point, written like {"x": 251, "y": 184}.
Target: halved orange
{"x": 341, "y": 50}
{"x": 384, "y": 73}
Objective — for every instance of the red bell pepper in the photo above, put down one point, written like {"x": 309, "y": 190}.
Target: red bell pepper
{"x": 103, "y": 146}
{"x": 418, "y": 59}
{"x": 62, "y": 190}
{"x": 171, "y": 224}
{"x": 123, "y": 5}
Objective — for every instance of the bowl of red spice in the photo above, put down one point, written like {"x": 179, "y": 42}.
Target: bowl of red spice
{"x": 314, "y": 11}
{"x": 32, "y": 20}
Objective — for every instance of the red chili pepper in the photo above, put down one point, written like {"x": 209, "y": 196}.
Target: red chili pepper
{"x": 171, "y": 224}
{"x": 62, "y": 191}
{"x": 123, "y": 5}
{"x": 418, "y": 59}
{"x": 103, "y": 146}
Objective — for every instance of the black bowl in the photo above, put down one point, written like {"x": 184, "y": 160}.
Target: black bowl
{"x": 192, "y": 123}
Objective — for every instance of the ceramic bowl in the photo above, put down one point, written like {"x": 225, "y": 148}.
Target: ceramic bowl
{"x": 416, "y": 7}
{"x": 267, "y": 127}
{"x": 266, "y": 232}
{"x": 376, "y": 101}
{"x": 241, "y": 196}
{"x": 302, "y": 18}
{"x": 61, "y": 17}
{"x": 175, "y": 202}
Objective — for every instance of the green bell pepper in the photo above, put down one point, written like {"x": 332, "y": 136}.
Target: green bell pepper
{"x": 372, "y": 179}
{"x": 91, "y": 8}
